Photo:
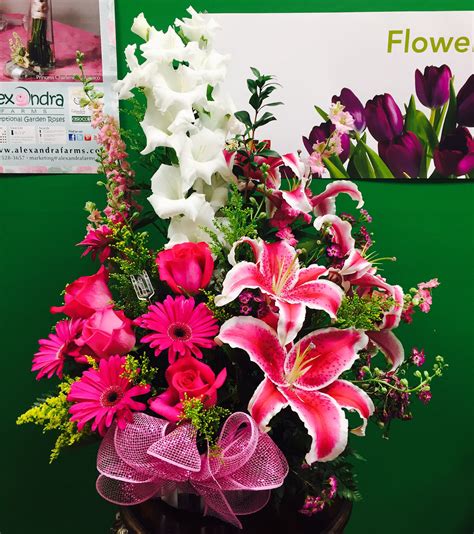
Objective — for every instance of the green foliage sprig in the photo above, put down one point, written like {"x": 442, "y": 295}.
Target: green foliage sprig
{"x": 364, "y": 312}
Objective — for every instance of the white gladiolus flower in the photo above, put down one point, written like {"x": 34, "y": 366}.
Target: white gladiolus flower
{"x": 182, "y": 229}
{"x": 216, "y": 193}
{"x": 181, "y": 87}
{"x": 189, "y": 112}
{"x": 141, "y": 27}
{"x": 164, "y": 47}
{"x": 202, "y": 156}
{"x": 200, "y": 27}
{"x": 165, "y": 129}
{"x": 169, "y": 195}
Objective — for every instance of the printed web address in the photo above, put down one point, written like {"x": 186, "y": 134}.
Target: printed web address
{"x": 48, "y": 151}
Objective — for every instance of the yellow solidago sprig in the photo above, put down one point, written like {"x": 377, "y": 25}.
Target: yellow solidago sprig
{"x": 52, "y": 413}
{"x": 138, "y": 370}
{"x": 206, "y": 421}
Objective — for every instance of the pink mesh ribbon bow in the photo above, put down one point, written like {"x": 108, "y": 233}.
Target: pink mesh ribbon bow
{"x": 150, "y": 457}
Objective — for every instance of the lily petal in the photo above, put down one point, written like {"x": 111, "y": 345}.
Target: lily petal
{"x": 389, "y": 345}
{"x": 341, "y": 231}
{"x": 324, "y": 420}
{"x": 320, "y": 295}
{"x": 325, "y": 203}
{"x": 327, "y": 353}
{"x": 242, "y": 276}
{"x": 351, "y": 397}
{"x": 265, "y": 403}
{"x": 259, "y": 341}
{"x": 290, "y": 321}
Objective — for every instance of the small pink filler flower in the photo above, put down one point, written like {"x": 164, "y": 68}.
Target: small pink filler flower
{"x": 179, "y": 326}
{"x": 105, "y": 395}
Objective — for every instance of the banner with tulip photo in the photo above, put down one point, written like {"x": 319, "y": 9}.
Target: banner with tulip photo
{"x": 367, "y": 95}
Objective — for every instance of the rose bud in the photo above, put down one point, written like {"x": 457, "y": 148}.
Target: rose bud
{"x": 187, "y": 378}
{"x": 186, "y": 268}
{"x": 384, "y": 118}
{"x": 353, "y": 105}
{"x": 108, "y": 332}
{"x": 86, "y": 295}
{"x": 321, "y": 133}
{"x": 465, "y": 114}
{"x": 432, "y": 87}
{"x": 455, "y": 153}
{"x": 403, "y": 155}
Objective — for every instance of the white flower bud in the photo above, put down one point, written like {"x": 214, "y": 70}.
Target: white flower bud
{"x": 141, "y": 27}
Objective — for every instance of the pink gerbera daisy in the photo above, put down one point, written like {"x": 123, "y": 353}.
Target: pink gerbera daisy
{"x": 105, "y": 394}
{"x": 52, "y": 351}
{"x": 179, "y": 326}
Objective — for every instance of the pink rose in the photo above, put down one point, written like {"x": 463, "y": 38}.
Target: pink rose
{"x": 86, "y": 295}
{"x": 186, "y": 268}
{"x": 191, "y": 378}
{"x": 108, "y": 332}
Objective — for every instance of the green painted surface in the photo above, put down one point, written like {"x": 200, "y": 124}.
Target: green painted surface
{"x": 418, "y": 482}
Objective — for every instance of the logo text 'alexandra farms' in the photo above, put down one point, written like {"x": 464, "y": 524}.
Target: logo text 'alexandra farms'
{"x": 22, "y": 97}
{"x": 403, "y": 41}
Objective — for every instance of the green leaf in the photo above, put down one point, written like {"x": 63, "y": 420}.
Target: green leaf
{"x": 255, "y": 72}
{"x": 269, "y": 153}
{"x": 210, "y": 90}
{"x": 274, "y": 104}
{"x": 265, "y": 119}
{"x": 450, "y": 120}
{"x": 334, "y": 170}
{"x": 323, "y": 114}
{"x": 255, "y": 101}
{"x": 380, "y": 168}
{"x": 361, "y": 162}
{"x": 244, "y": 118}
{"x": 336, "y": 160}
{"x": 418, "y": 123}
{"x": 252, "y": 85}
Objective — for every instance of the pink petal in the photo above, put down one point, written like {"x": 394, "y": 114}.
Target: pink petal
{"x": 341, "y": 231}
{"x": 279, "y": 266}
{"x": 293, "y": 161}
{"x": 310, "y": 274}
{"x": 256, "y": 246}
{"x": 325, "y": 203}
{"x": 389, "y": 345}
{"x": 321, "y": 295}
{"x": 259, "y": 341}
{"x": 290, "y": 321}
{"x": 297, "y": 199}
{"x": 324, "y": 420}
{"x": 351, "y": 397}
{"x": 243, "y": 276}
{"x": 265, "y": 403}
{"x": 328, "y": 353}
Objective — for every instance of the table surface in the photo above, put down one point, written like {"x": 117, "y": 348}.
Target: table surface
{"x": 67, "y": 39}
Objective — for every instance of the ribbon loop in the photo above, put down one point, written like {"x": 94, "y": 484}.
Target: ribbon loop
{"x": 235, "y": 478}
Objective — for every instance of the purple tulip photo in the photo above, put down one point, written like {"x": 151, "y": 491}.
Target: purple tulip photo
{"x": 465, "y": 115}
{"x": 432, "y": 87}
{"x": 402, "y": 155}
{"x": 354, "y": 106}
{"x": 384, "y": 118}
{"x": 455, "y": 153}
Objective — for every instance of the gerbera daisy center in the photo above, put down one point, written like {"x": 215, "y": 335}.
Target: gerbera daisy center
{"x": 179, "y": 331}
{"x": 111, "y": 396}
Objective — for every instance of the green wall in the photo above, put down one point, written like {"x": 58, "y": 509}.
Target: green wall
{"x": 418, "y": 482}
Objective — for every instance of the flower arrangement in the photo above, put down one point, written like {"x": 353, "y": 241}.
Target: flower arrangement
{"x": 227, "y": 333}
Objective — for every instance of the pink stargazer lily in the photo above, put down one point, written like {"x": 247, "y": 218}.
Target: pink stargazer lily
{"x": 276, "y": 272}
{"x": 306, "y": 379}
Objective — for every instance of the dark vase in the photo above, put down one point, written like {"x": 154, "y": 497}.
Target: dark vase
{"x": 157, "y": 517}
